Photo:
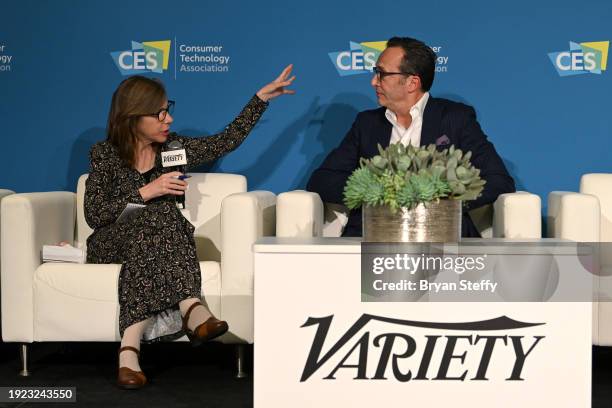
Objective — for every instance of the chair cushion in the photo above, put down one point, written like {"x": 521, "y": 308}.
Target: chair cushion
{"x": 600, "y": 185}
{"x": 79, "y": 302}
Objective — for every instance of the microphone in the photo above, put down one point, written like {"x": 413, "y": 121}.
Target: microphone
{"x": 175, "y": 158}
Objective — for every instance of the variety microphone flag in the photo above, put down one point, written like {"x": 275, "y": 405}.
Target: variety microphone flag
{"x": 175, "y": 155}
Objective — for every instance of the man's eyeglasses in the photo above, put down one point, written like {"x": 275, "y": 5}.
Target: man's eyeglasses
{"x": 162, "y": 113}
{"x": 380, "y": 74}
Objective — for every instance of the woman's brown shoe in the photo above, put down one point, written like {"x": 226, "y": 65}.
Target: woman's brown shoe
{"x": 127, "y": 378}
{"x": 208, "y": 330}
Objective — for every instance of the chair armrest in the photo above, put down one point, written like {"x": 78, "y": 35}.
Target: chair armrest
{"x": 517, "y": 215}
{"x": 4, "y": 193}
{"x": 574, "y": 216}
{"x": 299, "y": 213}
{"x": 29, "y": 221}
{"x": 245, "y": 217}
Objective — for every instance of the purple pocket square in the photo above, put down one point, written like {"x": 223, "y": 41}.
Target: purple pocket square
{"x": 442, "y": 140}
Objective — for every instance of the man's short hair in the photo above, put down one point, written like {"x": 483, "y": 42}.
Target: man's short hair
{"x": 419, "y": 59}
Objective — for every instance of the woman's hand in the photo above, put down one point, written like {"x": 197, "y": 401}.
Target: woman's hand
{"x": 277, "y": 87}
{"x": 165, "y": 184}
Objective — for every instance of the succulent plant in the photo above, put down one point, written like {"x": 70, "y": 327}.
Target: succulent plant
{"x": 402, "y": 176}
{"x": 362, "y": 187}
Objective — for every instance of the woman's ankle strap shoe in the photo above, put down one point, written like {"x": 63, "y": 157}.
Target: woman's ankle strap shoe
{"x": 130, "y": 348}
{"x": 210, "y": 329}
{"x": 127, "y": 378}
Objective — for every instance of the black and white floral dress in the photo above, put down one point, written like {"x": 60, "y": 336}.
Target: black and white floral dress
{"x": 156, "y": 246}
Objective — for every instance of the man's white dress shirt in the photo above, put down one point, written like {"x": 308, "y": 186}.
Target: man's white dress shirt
{"x": 411, "y": 134}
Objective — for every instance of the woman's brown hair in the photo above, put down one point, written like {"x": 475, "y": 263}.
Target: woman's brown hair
{"x": 134, "y": 97}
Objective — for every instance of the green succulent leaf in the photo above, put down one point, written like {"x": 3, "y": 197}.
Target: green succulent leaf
{"x": 379, "y": 162}
{"x": 405, "y": 176}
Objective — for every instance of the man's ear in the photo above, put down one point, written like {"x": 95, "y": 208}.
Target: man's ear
{"x": 414, "y": 83}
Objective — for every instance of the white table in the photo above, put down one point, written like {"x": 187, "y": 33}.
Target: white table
{"x": 301, "y": 282}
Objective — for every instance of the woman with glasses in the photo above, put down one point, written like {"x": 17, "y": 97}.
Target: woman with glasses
{"x": 159, "y": 282}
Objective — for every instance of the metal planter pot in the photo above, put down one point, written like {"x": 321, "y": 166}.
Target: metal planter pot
{"x": 438, "y": 222}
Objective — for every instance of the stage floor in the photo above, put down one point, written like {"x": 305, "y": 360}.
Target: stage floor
{"x": 181, "y": 376}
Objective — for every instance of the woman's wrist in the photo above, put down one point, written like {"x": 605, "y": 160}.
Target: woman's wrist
{"x": 262, "y": 98}
{"x": 145, "y": 193}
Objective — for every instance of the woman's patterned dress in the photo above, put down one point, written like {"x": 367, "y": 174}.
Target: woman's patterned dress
{"x": 156, "y": 246}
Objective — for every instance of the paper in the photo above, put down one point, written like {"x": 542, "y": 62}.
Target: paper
{"x": 129, "y": 211}
{"x": 63, "y": 253}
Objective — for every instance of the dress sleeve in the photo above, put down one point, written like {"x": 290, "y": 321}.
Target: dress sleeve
{"x": 105, "y": 195}
{"x": 208, "y": 148}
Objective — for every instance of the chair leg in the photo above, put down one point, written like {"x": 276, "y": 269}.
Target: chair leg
{"x": 240, "y": 350}
{"x": 23, "y": 351}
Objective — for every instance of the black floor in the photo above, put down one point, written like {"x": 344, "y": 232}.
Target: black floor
{"x": 602, "y": 377}
{"x": 180, "y": 376}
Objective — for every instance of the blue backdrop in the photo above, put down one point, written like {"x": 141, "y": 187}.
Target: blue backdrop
{"x": 57, "y": 75}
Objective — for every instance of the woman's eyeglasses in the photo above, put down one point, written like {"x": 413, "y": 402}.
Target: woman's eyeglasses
{"x": 162, "y": 113}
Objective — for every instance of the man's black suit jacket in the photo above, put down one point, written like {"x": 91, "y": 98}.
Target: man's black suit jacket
{"x": 441, "y": 117}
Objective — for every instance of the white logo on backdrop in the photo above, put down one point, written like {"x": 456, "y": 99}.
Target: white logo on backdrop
{"x": 199, "y": 58}
{"x": 5, "y": 58}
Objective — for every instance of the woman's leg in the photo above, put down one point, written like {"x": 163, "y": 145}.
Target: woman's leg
{"x": 198, "y": 315}
{"x": 131, "y": 337}
{"x": 160, "y": 268}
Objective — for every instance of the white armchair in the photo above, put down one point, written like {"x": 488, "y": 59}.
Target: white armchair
{"x": 3, "y": 193}
{"x": 587, "y": 217}
{"x": 303, "y": 214}
{"x": 55, "y": 301}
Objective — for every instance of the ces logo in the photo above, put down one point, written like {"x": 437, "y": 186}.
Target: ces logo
{"x": 360, "y": 59}
{"x": 582, "y": 58}
{"x": 150, "y": 56}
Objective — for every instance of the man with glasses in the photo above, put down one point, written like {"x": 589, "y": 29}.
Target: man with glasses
{"x": 408, "y": 114}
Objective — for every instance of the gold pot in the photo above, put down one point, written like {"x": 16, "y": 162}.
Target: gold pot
{"x": 438, "y": 222}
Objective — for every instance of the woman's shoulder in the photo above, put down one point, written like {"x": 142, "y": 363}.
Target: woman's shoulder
{"x": 103, "y": 150}
{"x": 104, "y": 156}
